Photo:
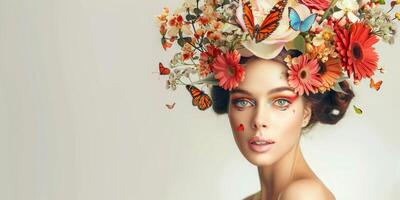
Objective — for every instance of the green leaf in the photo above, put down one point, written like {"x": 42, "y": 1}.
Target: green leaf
{"x": 181, "y": 42}
{"x": 188, "y": 39}
{"x": 299, "y": 43}
{"x": 357, "y": 110}
{"x": 226, "y": 2}
{"x": 197, "y": 11}
{"x": 337, "y": 88}
{"x": 340, "y": 79}
{"x": 210, "y": 79}
{"x": 191, "y": 17}
{"x": 328, "y": 10}
{"x": 382, "y": 2}
{"x": 206, "y": 41}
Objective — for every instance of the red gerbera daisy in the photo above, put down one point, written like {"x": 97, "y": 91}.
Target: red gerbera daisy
{"x": 228, "y": 70}
{"x": 303, "y": 75}
{"x": 355, "y": 49}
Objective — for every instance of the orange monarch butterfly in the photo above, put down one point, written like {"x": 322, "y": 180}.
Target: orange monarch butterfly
{"x": 374, "y": 85}
{"x": 268, "y": 26}
{"x": 163, "y": 70}
{"x": 200, "y": 99}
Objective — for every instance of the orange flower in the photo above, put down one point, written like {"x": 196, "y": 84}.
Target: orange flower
{"x": 163, "y": 29}
{"x": 214, "y": 35}
{"x": 187, "y": 51}
{"x": 165, "y": 44}
{"x": 330, "y": 71}
{"x": 162, "y": 19}
{"x": 207, "y": 59}
{"x": 228, "y": 70}
{"x": 303, "y": 75}
{"x": 203, "y": 20}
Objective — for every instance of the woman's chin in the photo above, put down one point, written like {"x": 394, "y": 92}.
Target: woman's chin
{"x": 260, "y": 159}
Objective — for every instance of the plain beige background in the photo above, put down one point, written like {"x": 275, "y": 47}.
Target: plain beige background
{"x": 83, "y": 116}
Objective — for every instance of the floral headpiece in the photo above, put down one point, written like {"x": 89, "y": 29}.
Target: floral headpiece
{"x": 336, "y": 40}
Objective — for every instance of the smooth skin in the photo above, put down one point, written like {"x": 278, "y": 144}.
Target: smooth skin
{"x": 266, "y": 106}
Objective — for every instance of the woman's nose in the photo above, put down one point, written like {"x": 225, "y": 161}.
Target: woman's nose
{"x": 259, "y": 120}
{"x": 258, "y": 125}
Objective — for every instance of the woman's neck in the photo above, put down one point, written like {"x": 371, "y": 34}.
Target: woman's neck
{"x": 274, "y": 178}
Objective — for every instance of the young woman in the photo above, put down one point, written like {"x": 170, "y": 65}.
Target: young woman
{"x": 277, "y": 68}
{"x": 267, "y": 120}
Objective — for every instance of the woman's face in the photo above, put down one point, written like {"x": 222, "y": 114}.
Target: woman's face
{"x": 264, "y": 105}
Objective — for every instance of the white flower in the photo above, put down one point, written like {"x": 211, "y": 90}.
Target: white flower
{"x": 186, "y": 72}
{"x": 271, "y": 46}
{"x": 187, "y": 4}
{"x": 173, "y": 31}
{"x": 347, "y": 8}
{"x": 187, "y": 29}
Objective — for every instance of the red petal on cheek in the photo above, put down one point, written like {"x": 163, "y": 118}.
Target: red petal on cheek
{"x": 240, "y": 128}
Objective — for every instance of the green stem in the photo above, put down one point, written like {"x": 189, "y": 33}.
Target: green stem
{"x": 390, "y": 10}
{"x": 195, "y": 65}
{"x": 182, "y": 83}
{"x": 331, "y": 6}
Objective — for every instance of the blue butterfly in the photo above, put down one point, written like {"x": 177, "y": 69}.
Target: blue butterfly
{"x": 297, "y": 24}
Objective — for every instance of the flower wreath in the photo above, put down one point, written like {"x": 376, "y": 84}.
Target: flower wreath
{"x": 336, "y": 39}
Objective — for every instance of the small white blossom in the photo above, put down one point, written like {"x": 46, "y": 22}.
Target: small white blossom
{"x": 347, "y": 8}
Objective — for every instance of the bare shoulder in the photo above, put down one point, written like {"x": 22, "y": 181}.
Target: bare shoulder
{"x": 251, "y": 197}
{"x": 307, "y": 189}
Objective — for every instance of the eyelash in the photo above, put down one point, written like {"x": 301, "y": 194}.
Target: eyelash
{"x": 235, "y": 102}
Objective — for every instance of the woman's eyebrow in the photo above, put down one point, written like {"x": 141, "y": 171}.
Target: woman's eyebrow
{"x": 238, "y": 90}
{"x": 275, "y": 90}
{"x": 280, "y": 89}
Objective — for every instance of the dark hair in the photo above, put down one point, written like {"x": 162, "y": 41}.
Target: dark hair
{"x": 327, "y": 108}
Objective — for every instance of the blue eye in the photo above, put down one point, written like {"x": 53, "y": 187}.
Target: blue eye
{"x": 282, "y": 103}
{"x": 241, "y": 103}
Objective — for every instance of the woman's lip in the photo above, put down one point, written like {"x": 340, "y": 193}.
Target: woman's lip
{"x": 260, "y": 148}
{"x": 260, "y": 139}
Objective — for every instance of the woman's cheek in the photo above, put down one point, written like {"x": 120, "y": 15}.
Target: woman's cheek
{"x": 287, "y": 124}
{"x": 236, "y": 119}
{"x": 240, "y": 122}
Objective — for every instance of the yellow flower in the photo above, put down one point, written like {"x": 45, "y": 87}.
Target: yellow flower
{"x": 162, "y": 18}
{"x": 309, "y": 48}
{"x": 397, "y": 15}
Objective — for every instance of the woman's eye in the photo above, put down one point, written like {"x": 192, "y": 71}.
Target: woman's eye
{"x": 241, "y": 103}
{"x": 282, "y": 103}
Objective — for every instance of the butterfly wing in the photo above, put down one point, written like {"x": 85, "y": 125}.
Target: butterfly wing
{"x": 295, "y": 20}
{"x": 163, "y": 70}
{"x": 248, "y": 18}
{"x": 271, "y": 22}
{"x": 307, "y": 23}
{"x": 196, "y": 94}
{"x": 204, "y": 102}
{"x": 376, "y": 85}
{"x": 170, "y": 106}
